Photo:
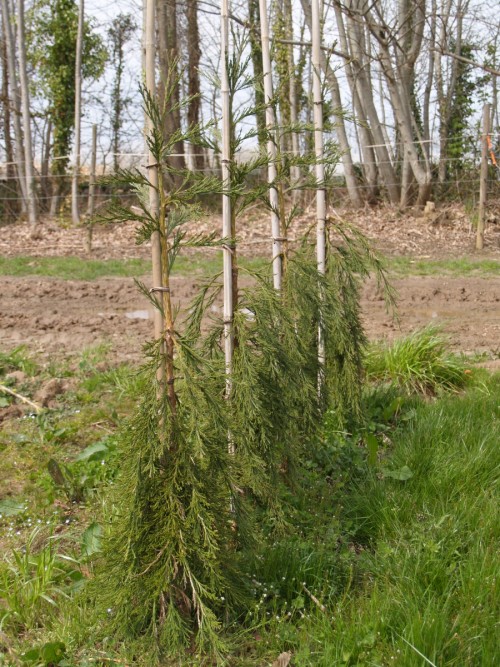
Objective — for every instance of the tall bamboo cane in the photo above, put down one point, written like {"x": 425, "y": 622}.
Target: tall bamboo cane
{"x": 150, "y": 52}
{"x": 319, "y": 168}
{"x": 277, "y": 250}
{"x": 227, "y": 231}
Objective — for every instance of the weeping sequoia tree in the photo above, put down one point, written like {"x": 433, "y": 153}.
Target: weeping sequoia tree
{"x": 230, "y": 403}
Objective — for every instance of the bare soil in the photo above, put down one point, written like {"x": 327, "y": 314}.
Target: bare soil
{"x": 60, "y": 317}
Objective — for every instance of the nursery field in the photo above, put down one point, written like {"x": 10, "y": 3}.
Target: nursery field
{"x": 387, "y": 551}
{"x": 55, "y": 298}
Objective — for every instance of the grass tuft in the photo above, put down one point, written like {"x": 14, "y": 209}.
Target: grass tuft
{"x": 419, "y": 363}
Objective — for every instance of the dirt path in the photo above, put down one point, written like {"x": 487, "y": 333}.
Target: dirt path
{"x": 63, "y": 317}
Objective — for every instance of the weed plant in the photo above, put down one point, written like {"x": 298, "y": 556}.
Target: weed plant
{"x": 32, "y": 583}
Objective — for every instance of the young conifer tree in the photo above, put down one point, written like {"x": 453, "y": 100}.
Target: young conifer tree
{"x": 185, "y": 505}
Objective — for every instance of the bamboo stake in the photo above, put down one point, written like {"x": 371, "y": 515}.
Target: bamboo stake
{"x": 149, "y": 60}
{"x": 227, "y": 231}
{"x": 483, "y": 183}
{"x": 319, "y": 167}
{"x": 277, "y": 251}
{"x": 91, "y": 204}
{"x": 75, "y": 214}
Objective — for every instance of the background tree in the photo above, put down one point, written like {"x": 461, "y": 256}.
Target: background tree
{"x": 15, "y": 102}
{"x": 54, "y": 28}
{"x": 168, "y": 53}
{"x": 121, "y": 30}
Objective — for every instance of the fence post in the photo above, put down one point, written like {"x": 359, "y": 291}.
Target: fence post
{"x": 91, "y": 203}
{"x": 483, "y": 180}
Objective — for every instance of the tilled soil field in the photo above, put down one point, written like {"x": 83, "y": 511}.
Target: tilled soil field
{"x": 57, "y": 317}
{"x": 62, "y": 317}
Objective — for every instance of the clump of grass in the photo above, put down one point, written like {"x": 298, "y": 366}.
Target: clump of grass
{"x": 419, "y": 363}
{"x": 17, "y": 359}
{"x": 32, "y": 583}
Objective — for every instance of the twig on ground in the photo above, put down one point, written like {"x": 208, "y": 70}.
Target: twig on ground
{"x": 37, "y": 407}
{"x": 314, "y": 599}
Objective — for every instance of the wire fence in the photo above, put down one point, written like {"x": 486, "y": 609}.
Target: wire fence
{"x": 461, "y": 182}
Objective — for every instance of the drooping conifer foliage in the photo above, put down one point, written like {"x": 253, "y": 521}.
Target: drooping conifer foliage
{"x": 205, "y": 454}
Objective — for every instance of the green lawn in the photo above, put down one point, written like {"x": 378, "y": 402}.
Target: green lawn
{"x": 75, "y": 268}
{"x": 388, "y": 562}
{"x": 463, "y": 266}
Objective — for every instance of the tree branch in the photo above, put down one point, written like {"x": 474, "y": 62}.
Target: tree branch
{"x": 463, "y": 59}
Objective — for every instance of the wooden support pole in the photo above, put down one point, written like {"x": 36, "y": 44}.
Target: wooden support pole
{"x": 91, "y": 202}
{"x": 227, "y": 231}
{"x": 483, "y": 183}
{"x": 150, "y": 57}
{"x": 319, "y": 170}
{"x": 277, "y": 250}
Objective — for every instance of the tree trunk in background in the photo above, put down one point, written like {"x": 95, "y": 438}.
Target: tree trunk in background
{"x": 168, "y": 50}
{"x": 426, "y": 105}
{"x": 340, "y": 129}
{"x": 353, "y": 42}
{"x": 121, "y": 30}
{"x": 256, "y": 53}
{"x": 398, "y": 53}
{"x": 194, "y": 52}
{"x": 292, "y": 91}
{"x": 11, "y": 204}
{"x": 75, "y": 213}
{"x": 28, "y": 151}
{"x": 19, "y": 155}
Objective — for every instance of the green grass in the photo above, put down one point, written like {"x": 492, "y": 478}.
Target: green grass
{"x": 75, "y": 268}
{"x": 404, "y": 567}
{"x": 412, "y": 573}
{"x": 463, "y": 266}
{"x": 418, "y": 363}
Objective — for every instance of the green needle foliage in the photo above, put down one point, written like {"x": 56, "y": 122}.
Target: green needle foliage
{"x": 204, "y": 454}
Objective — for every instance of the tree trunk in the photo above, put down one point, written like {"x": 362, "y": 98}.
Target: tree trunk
{"x": 256, "y": 54}
{"x": 28, "y": 151}
{"x": 75, "y": 213}
{"x": 340, "y": 130}
{"x": 19, "y": 154}
{"x": 169, "y": 85}
{"x": 44, "y": 172}
{"x": 11, "y": 207}
{"x": 352, "y": 40}
{"x": 194, "y": 50}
